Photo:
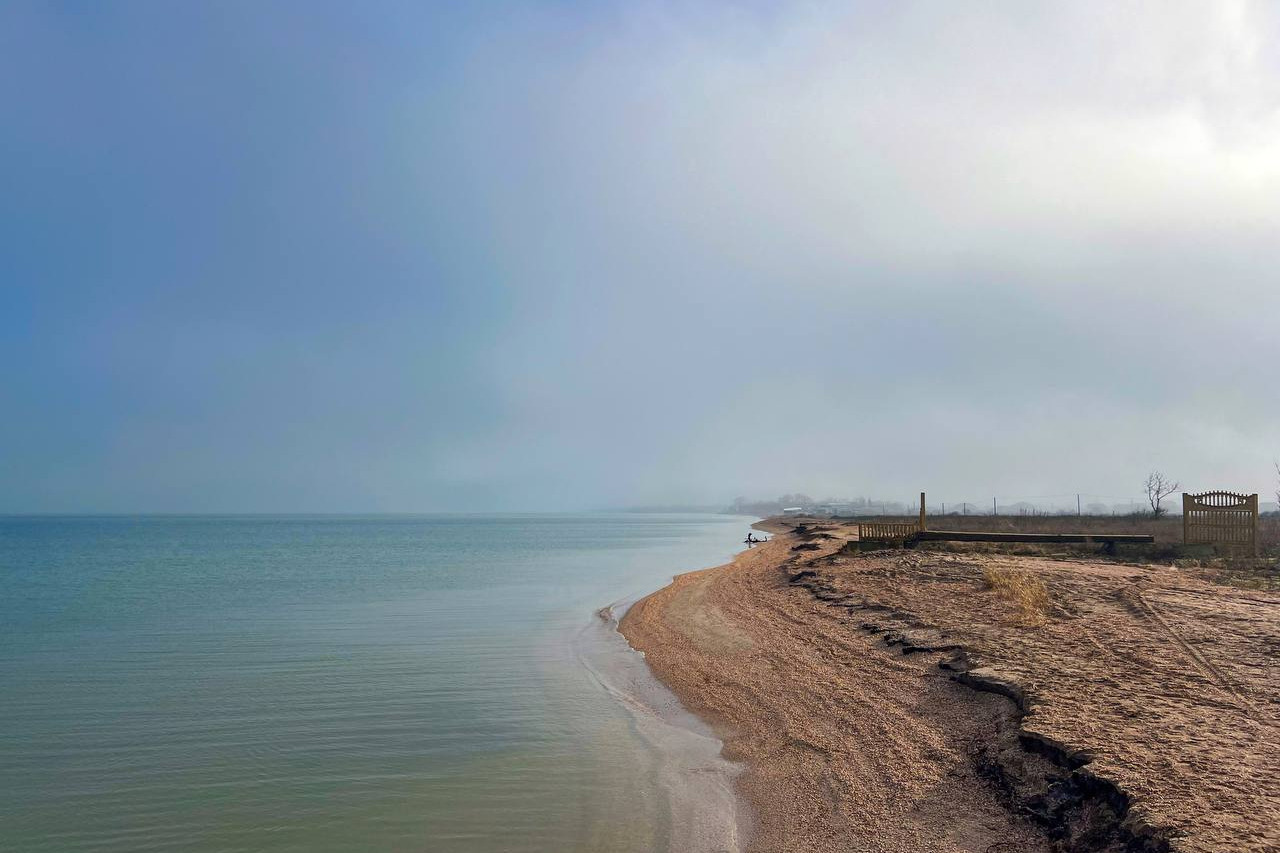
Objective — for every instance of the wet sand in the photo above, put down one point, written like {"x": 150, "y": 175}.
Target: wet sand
{"x": 892, "y": 702}
{"x": 695, "y": 806}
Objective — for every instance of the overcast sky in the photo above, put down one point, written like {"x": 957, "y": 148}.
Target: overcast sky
{"x": 298, "y": 256}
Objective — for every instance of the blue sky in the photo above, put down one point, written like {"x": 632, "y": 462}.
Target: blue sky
{"x": 347, "y": 257}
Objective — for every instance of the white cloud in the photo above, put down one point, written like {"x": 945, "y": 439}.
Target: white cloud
{"x": 1053, "y": 227}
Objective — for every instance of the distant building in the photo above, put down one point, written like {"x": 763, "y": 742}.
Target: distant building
{"x": 793, "y": 510}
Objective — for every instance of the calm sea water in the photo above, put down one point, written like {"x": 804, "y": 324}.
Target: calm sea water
{"x": 333, "y": 683}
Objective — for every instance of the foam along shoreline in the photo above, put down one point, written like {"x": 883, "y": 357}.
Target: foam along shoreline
{"x": 701, "y": 809}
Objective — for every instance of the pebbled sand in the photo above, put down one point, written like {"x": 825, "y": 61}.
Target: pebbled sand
{"x": 1146, "y": 713}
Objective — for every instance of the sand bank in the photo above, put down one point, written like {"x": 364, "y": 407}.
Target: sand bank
{"x": 892, "y": 702}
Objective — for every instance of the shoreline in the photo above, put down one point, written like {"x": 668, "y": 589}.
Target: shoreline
{"x": 703, "y": 813}
{"x": 895, "y": 702}
{"x": 718, "y": 642}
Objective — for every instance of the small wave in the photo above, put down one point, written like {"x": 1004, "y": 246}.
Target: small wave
{"x": 696, "y": 780}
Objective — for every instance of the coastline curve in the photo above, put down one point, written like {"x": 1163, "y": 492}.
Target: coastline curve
{"x": 702, "y": 811}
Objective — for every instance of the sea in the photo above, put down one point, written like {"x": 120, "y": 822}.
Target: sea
{"x": 349, "y": 683}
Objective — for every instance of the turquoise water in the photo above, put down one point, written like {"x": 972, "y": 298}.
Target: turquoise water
{"x": 393, "y": 683}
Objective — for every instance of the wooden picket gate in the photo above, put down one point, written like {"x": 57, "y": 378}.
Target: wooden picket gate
{"x": 888, "y": 531}
{"x": 892, "y": 532}
{"x": 1221, "y": 518}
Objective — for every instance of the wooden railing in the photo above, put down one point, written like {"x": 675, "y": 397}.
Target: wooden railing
{"x": 887, "y": 530}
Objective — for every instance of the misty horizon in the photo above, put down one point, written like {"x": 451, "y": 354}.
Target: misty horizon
{"x": 326, "y": 258}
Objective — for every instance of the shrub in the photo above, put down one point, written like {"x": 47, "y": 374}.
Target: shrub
{"x": 1026, "y": 591}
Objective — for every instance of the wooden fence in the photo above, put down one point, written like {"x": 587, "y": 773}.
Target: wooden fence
{"x": 1221, "y": 518}
{"x": 892, "y": 531}
{"x": 888, "y": 530}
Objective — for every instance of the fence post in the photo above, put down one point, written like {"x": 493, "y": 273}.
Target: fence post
{"x": 922, "y": 512}
{"x": 1253, "y": 528}
{"x": 1186, "y": 516}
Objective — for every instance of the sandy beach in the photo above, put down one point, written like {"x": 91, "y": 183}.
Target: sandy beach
{"x": 893, "y": 701}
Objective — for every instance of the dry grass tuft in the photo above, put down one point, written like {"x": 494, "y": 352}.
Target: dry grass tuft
{"x": 1022, "y": 588}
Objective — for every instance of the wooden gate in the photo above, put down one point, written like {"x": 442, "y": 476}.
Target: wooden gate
{"x": 1221, "y": 518}
{"x": 898, "y": 532}
{"x": 887, "y": 531}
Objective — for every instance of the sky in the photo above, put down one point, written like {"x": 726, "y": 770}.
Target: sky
{"x": 413, "y": 257}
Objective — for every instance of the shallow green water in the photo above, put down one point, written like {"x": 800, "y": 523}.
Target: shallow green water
{"x": 330, "y": 683}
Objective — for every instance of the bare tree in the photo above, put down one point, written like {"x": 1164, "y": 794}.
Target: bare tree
{"x": 1159, "y": 487}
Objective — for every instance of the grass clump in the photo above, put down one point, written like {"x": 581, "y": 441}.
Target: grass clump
{"x": 1026, "y": 591}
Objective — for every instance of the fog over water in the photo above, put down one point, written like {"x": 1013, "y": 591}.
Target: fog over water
{"x": 334, "y": 257}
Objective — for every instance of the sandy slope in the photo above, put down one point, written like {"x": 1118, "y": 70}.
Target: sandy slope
{"x": 848, "y": 748}
{"x": 1150, "y": 701}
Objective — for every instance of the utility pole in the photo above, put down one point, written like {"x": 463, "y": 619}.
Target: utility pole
{"x": 1077, "y": 504}
{"x": 993, "y": 507}
{"x": 964, "y": 509}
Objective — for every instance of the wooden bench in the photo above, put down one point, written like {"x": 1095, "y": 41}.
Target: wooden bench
{"x": 1108, "y": 540}
{"x": 908, "y": 533}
